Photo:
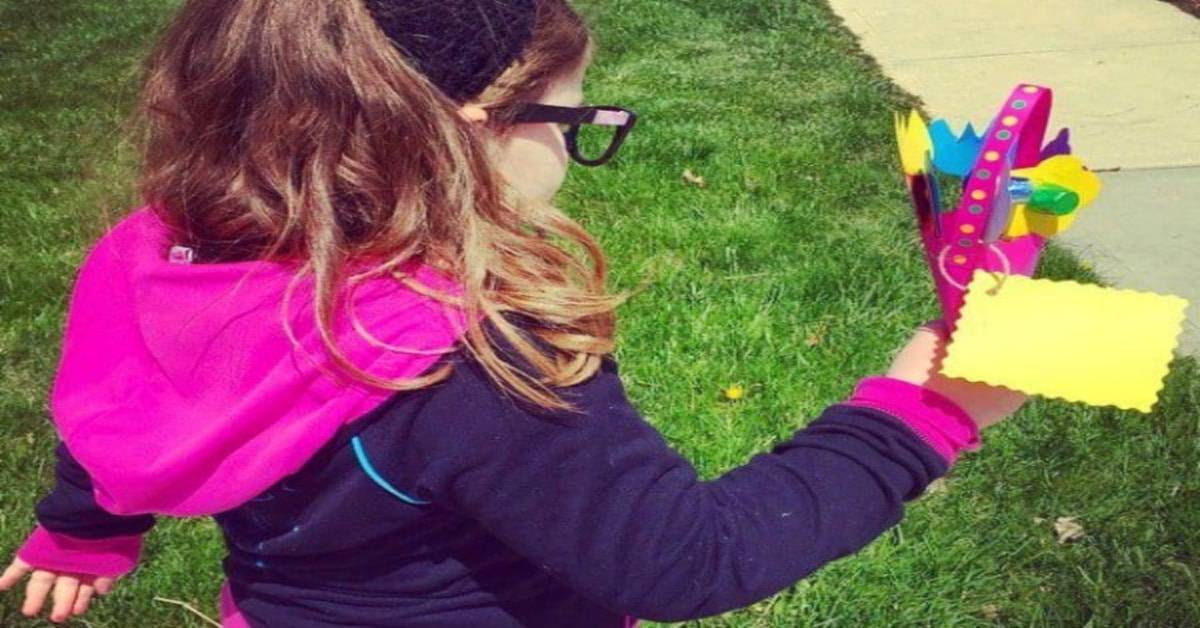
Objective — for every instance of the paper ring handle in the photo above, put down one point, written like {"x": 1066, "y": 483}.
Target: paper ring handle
{"x": 941, "y": 265}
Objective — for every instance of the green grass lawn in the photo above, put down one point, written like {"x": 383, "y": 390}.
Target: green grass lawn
{"x": 794, "y": 272}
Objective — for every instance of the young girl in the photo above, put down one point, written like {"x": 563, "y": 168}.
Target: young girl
{"x": 347, "y": 324}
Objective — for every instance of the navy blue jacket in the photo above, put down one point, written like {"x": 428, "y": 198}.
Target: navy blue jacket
{"x": 457, "y": 505}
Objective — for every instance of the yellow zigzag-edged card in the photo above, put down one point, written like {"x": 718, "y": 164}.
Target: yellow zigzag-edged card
{"x": 1085, "y": 343}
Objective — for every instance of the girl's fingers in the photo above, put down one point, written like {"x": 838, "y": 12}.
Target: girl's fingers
{"x": 14, "y": 573}
{"x": 64, "y": 597}
{"x": 104, "y": 586}
{"x": 936, "y": 326}
{"x": 82, "y": 600}
{"x": 36, "y": 590}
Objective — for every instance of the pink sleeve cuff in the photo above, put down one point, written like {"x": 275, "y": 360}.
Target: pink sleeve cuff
{"x": 938, "y": 421}
{"x": 111, "y": 557}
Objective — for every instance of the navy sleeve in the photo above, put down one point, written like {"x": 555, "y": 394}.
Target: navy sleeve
{"x": 605, "y": 505}
{"x": 71, "y": 509}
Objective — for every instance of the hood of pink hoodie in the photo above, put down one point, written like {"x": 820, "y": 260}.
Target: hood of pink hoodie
{"x": 179, "y": 391}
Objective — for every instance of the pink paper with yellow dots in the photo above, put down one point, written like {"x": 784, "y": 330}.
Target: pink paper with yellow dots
{"x": 1015, "y": 193}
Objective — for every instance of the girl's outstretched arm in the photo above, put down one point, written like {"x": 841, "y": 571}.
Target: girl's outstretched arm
{"x": 604, "y": 504}
{"x": 77, "y": 549}
{"x": 75, "y": 535}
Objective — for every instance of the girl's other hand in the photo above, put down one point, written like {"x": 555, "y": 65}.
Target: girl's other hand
{"x": 72, "y": 592}
{"x": 920, "y": 362}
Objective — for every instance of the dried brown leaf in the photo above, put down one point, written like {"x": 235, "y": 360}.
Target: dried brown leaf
{"x": 694, "y": 179}
{"x": 1068, "y": 529}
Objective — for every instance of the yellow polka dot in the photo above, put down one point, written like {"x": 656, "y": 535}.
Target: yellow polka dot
{"x": 1030, "y": 89}
{"x": 967, "y": 228}
{"x": 960, "y": 259}
{"x": 1009, "y": 120}
{"x": 979, "y": 195}
{"x": 991, "y": 155}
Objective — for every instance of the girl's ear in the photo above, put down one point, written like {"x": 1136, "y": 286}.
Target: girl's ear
{"x": 473, "y": 113}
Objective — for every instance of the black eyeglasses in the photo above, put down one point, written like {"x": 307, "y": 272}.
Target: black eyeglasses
{"x": 593, "y": 133}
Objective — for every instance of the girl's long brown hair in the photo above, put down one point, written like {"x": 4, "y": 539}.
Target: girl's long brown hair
{"x": 296, "y": 132}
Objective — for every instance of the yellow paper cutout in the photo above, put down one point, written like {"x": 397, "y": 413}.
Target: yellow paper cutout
{"x": 1091, "y": 344}
{"x": 1062, "y": 170}
{"x": 1026, "y": 221}
{"x": 1066, "y": 171}
{"x": 913, "y": 137}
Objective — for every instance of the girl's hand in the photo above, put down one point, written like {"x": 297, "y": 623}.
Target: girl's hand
{"x": 72, "y": 592}
{"x": 923, "y": 355}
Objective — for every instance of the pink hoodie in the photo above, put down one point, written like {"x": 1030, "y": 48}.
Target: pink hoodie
{"x": 178, "y": 389}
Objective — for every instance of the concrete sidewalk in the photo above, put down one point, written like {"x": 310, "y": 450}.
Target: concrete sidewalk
{"x": 1124, "y": 72}
{"x": 1126, "y": 80}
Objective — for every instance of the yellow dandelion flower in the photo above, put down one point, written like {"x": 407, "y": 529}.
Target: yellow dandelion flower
{"x": 735, "y": 392}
